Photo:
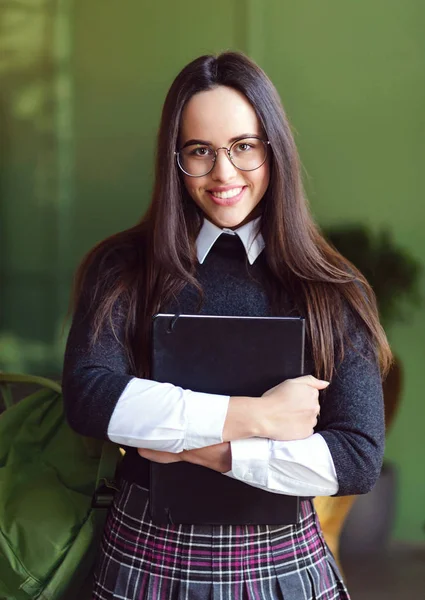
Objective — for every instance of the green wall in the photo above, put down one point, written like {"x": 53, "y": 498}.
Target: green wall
{"x": 79, "y": 166}
{"x": 122, "y": 73}
{"x": 352, "y": 79}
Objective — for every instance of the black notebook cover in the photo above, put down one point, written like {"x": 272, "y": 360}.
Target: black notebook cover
{"x": 235, "y": 356}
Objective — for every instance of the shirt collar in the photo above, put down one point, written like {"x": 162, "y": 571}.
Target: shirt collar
{"x": 249, "y": 235}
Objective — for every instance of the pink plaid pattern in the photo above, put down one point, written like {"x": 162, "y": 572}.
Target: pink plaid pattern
{"x": 142, "y": 561}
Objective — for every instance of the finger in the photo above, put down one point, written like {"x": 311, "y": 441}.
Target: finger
{"x": 318, "y": 384}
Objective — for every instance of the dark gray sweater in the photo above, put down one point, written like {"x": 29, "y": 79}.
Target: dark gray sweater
{"x": 352, "y": 415}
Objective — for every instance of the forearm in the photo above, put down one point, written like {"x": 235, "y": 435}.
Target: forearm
{"x": 164, "y": 417}
{"x": 217, "y": 457}
{"x": 243, "y": 419}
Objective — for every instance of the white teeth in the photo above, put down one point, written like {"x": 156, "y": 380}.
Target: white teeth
{"x": 229, "y": 194}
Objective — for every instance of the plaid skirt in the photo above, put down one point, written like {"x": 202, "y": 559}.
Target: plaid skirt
{"x": 139, "y": 560}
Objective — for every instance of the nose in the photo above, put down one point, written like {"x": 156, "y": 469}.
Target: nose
{"x": 223, "y": 168}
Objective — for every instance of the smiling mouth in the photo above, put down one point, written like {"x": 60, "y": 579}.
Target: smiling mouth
{"x": 227, "y": 197}
{"x": 227, "y": 194}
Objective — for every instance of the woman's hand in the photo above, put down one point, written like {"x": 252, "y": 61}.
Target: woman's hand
{"x": 290, "y": 409}
{"x": 286, "y": 412}
{"x": 217, "y": 457}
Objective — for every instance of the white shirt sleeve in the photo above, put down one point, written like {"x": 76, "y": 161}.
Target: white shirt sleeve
{"x": 296, "y": 468}
{"x": 162, "y": 416}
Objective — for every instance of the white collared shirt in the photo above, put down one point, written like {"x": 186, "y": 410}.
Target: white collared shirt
{"x": 249, "y": 234}
{"x": 161, "y": 416}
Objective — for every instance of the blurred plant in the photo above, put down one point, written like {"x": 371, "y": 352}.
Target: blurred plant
{"x": 391, "y": 271}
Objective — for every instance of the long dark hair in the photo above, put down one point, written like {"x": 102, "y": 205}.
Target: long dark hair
{"x": 158, "y": 258}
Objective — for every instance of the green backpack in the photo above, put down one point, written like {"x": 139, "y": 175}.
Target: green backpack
{"x": 49, "y": 530}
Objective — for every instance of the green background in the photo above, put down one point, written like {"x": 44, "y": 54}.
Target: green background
{"x": 82, "y": 84}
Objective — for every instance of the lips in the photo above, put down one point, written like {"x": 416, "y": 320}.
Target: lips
{"x": 226, "y": 196}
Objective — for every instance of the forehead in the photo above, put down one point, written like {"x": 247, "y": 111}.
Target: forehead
{"x": 218, "y": 115}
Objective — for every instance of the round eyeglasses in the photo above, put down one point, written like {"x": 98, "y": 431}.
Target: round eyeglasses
{"x": 246, "y": 154}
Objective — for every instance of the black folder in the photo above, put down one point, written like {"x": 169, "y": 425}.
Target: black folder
{"x": 235, "y": 356}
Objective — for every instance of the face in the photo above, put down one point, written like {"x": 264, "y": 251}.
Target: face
{"x": 227, "y": 196}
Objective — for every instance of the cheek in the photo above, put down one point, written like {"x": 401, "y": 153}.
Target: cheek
{"x": 193, "y": 187}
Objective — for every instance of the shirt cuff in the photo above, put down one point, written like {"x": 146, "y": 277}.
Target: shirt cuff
{"x": 250, "y": 460}
{"x": 302, "y": 467}
{"x": 205, "y": 417}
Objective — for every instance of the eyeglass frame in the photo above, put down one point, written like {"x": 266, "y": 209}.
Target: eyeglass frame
{"x": 229, "y": 156}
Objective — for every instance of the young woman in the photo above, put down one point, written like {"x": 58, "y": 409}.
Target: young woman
{"x": 228, "y": 232}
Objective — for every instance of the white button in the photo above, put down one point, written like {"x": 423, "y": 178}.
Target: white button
{"x": 249, "y": 476}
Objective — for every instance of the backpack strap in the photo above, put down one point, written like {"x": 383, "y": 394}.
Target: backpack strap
{"x": 7, "y": 378}
{"x": 106, "y": 486}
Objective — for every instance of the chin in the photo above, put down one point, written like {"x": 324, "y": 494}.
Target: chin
{"x": 229, "y": 219}
{"x": 229, "y": 223}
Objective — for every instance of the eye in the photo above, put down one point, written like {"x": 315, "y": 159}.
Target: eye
{"x": 242, "y": 147}
{"x": 201, "y": 152}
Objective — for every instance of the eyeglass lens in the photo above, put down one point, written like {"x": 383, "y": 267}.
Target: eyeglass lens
{"x": 246, "y": 154}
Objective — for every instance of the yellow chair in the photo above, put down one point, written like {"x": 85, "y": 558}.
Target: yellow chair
{"x": 332, "y": 512}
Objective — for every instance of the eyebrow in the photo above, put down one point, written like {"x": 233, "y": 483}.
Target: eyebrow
{"x": 233, "y": 139}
